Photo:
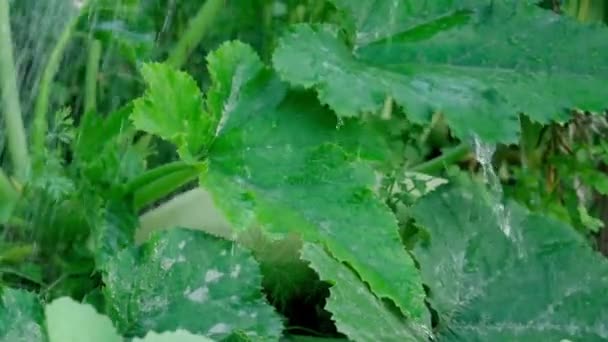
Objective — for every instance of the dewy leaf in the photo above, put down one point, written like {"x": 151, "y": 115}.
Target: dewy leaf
{"x": 172, "y": 108}
{"x": 21, "y": 317}
{"x": 547, "y": 286}
{"x": 70, "y": 321}
{"x": 357, "y": 312}
{"x": 280, "y": 162}
{"x": 478, "y": 62}
{"x": 190, "y": 280}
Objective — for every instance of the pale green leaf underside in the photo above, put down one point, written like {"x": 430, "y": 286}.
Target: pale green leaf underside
{"x": 470, "y": 60}
{"x": 70, "y": 321}
{"x": 173, "y": 336}
{"x": 21, "y": 316}
{"x": 172, "y": 108}
{"x": 357, "y": 312}
{"x": 549, "y": 286}
{"x": 190, "y": 280}
{"x": 23, "y": 319}
{"x": 280, "y": 162}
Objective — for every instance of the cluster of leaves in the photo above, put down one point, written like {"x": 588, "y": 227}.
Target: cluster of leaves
{"x": 290, "y": 154}
{"x": 570, "y": 160}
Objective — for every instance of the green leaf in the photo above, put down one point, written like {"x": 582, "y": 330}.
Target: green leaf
{"x": 190, "y": 280}
{"x": 174, "y": 336}
{"x": 357, "y": 312}
{"x": 21, "y": 317}
{"x": 229, "y": 72}
{"x": 280, "y": 162}
{"x": 105, "y": 148}
{"x": 547, "y": 285}
{"x": 470, "y": 60}
{"x": 70, "y": 321}
{"x": 94, "y": 132}
{"x": 172, "y": 108}
{"x": 115, "y": 230}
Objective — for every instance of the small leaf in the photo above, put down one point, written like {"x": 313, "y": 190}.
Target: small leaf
{"x": 547, "y": 285}
{"x": 21, "y": 317}
{"x": 172, "y": 108}
{"x": 70, "y": 321}
{"x": 230, "y": 67}
{"x": 357, "y": 312}
{"x": 191, "y": 280}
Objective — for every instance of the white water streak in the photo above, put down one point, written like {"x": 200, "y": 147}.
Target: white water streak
{"x": 484, "y": 153}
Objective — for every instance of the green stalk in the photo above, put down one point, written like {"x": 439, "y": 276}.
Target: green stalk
{"x": 571, "y": 7}
{"x": 42, "y": 101}
{"x": 197, "y": 29}
{"x": 163, "y": 186}
{"x": 90, "y": 94}
{"x": 448, "y": 157}
{"x": 8, "y": 197}
{"x": 317, "y": 9}
{"x": 15, "y": 131}
{"x": 160, "y": 172}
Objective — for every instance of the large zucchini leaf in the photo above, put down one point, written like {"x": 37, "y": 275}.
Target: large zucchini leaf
{"x": 356, "y": 311}
{"x": 278, "y": 161}
{"x": 546, "y": 286}
{"x": 479, "y": 62}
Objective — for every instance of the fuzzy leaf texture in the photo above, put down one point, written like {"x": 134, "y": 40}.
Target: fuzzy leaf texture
{"x": 357, "y": 312}
{"x": 546, "y": 286}
{"x": 172, "y": 108}
{"x": 478, "y": 62}
{"x": 186, "y": 279}
{"x": 280, "y": 163}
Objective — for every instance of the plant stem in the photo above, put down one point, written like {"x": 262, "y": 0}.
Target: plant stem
{"x": 90, "y": 94}
{"x": 163, "y": 186}
{"x": 159, "y": 172}
{"x": 197, "y": 29}
{"x": 8, "y": 197}
{"x": 42, "y": 101}
{"x": 15, "y": 131}
{"x": 448, "y": 157}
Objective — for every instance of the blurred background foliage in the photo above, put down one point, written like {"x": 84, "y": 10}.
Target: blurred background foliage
{"x": 559, "y": 169}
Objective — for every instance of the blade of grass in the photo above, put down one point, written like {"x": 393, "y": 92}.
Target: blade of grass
{"x": 90, "y": 94}
{"x": 8, "y": 197}
{"x": 197, "y": 29}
